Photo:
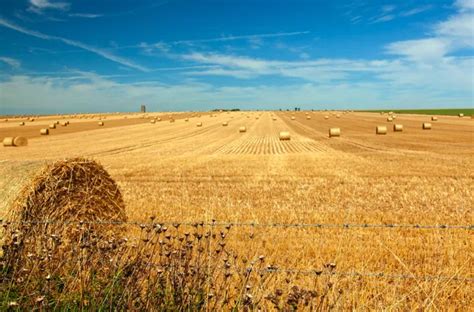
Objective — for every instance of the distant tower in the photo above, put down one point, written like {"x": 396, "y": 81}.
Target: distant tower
{"x": 143, "y": 109}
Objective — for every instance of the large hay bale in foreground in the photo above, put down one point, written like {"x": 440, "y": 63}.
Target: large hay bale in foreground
{"x": 56, "y": 202}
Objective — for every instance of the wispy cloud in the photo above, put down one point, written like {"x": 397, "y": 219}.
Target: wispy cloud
{"x": 383, "y": 18}
{"x": 85, "y": 15}
{"x": 417, "y": 10}
{"x": 103, "y": 53}
{"x": 243, "y": 37}
{"x": 38, "y": 6}
{"x": 10, "y": 61}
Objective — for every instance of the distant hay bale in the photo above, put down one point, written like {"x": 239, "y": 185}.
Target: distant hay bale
{"x": 44, "y": 131}
{"x": 434, "y": 118}
{"x": 274, "y": 118}
{"x": 338, "y": 116}
{"x": 171, "y": 120}
{"x": 52, "y": 126}
{"x": 64, "y": 123}
{"x": 334, "y": 132}
{"x": 100, "y": 123}
{"x": 397, "y": 128}
{"x": 186, "y": 119}
{"x": 20, "y": 141}
{"x": 242, "y": 129}
{"x": 326, "y": 117}
{"x": 380, "y": 130}
{"x": 426, "y": 126}
{"x": 461, "y": 115}
{"x": 225, "y": 124}
{"x": 389, "y": 119}
{"x": 158, "y": 119}
{"x": 152, "y": 121}
{"x": 8, "y": 141}
{"x": 199, "y": 124}
{"x": 21, "y": 123}
{"x": 308, "y": 117}
{"x": 57, "y": 199}
{"x": 293, "y": 117}
{"x": 285, "y": 136}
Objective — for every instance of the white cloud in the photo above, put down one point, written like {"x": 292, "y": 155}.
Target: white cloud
{"x": 38, "y": 6}
{"x": 29, "y": 94}
{"x": 421, "y": 49}
{"x": 453, "y": 34}
{"x": 85, "y": 15}
{"x": 465, "y": 5}
{"x": 417, "y": 10}
{"x": 10, "y": 61}
{"x": 103, "y": 53}
{"x": 384, "y": 18}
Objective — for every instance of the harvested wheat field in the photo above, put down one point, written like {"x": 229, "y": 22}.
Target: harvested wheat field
{"x": 360, "y": 221}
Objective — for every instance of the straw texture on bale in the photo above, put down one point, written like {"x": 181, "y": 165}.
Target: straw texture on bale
{"x": 334, "y": 132}
{"x": 426, "y": 126}
{"x": 398, "y": 128}
{"x": 380, "y": 130}
{"x": 242, "y": 129}
{"x": 44, "y": 131}
{"x": 8, "y": 141}
{"x": 20, "y": 141}
{"x": 69, "y": 191}
{"x": 285, "y": 136}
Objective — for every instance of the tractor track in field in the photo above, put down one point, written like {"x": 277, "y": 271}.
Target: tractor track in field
{"x": 135, "y": 147}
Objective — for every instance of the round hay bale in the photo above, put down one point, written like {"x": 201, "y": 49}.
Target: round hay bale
{"x": 461, "y": 115}
{"x": 338, "y": 116}
{"x": 285, "y": 136}
{"x": 8, "y": 141}
{"x": 44, "y": 131}
{"x": 380, "y": 130}
{"x": 326, "y": 117}
{"x": 152, "y": 121}
{"x": 64, "y": 124}
{"x": 100, "y": 123}
{"x": 274, "y": 118}
{"x": 389, "y": 119}
{"x": 293, "y": 118}
{"x": 397, "y": 128}
{"x": 72, "y": 200}
{"x": 52, "y": 126}
{"x": 186, "y": 119}
{"x": 426, "y": 126}
{"x": 199, "y": 124}
{"x": 434, "y": 118}
{"x": 242, "y": 129}
{"x": 225, "y": 124}
{"x": 21, "y": 123}
{"x": 20, "y": 141}
{"x": 334, "y": 132}
{"x": 158, "y": 119}
{"x": 308, "y": 117}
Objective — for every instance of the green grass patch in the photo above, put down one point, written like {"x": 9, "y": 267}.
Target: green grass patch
{"x": 434, "y": 111}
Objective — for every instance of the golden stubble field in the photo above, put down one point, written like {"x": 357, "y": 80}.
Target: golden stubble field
{"x": 182, "y": 173}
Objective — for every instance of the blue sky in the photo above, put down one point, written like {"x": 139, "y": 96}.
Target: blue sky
{"x": 81, "y": 56}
